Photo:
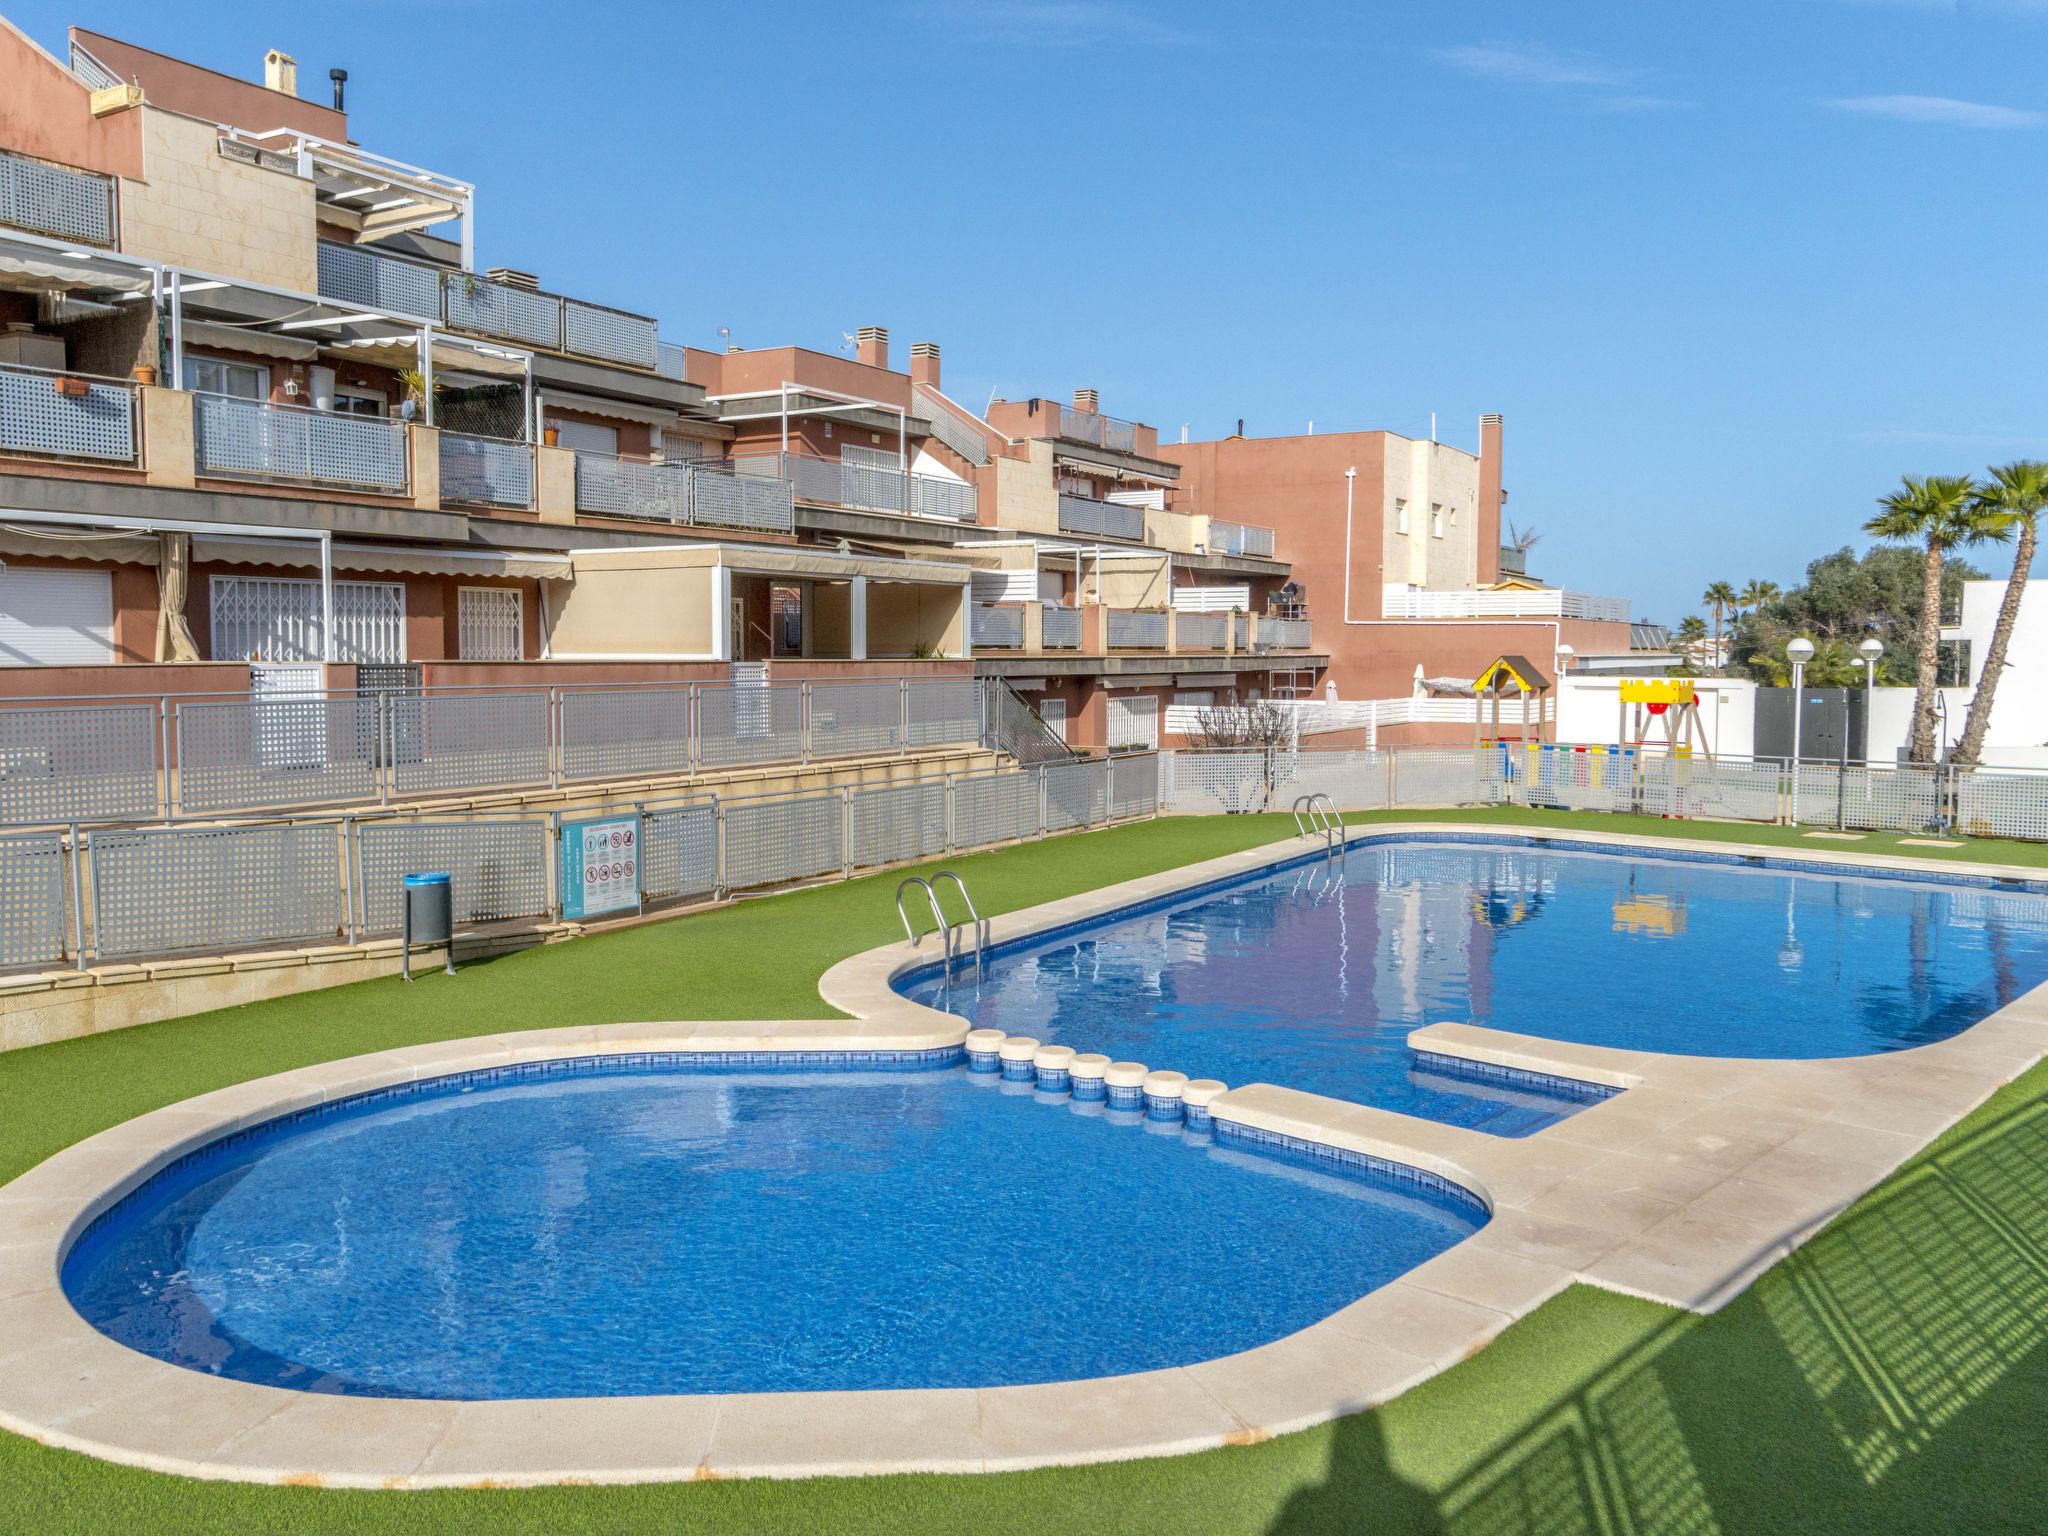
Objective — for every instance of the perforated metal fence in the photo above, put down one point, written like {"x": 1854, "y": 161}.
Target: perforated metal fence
{"x": 97, "y": 764}
{"x": 1355, "y": 780}
{"x": 1460, "y": 776}
{"x": 627, "y": 733}
{"x": 489, "y": 471}
{"x": 33, "y": 911}
{"x": 271, "y": 752}
{"x": 484, "y": 740}
{"x": 385, "y": 283}
{"x": 595, "y": 331}
{"x": 274, "y": 442}
{"x": 161, "y": 889}
{"x": 998, "y": 627}
{"x": 994, "y": 808}
{"x": 2002, "y": 805}
{"x": 942, "y": 711}
{"x": 96, "y": 422}
{"x": 1076, "y": 794}
{"x": 494, "y": 309}
{"x": 768, "y": 842}
{"x": 748, "y": 723}
{"x": 1568, "y": 779}
{"x": 624, "y": 488}
{"x": 1897, "y": 799}
{"x": 722, "y": 500}
{"x": 1100, "y": 519}
{"x": 1200, "y": 631}
{"x": 897, "y": 822}
{"x": 496, "y": 869}
{"x": 851, "y": 718}
{"x": 1736, "y": 790}
{"x": 1133, "y": 785}
{"x": 1131, "y": 630}
{"x": 72, "y": 205}
{"x": 679, "y": 852}
{"x": 1062, "y": 628}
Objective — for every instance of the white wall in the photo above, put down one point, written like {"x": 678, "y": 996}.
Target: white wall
{"x": 1589, "y": 713}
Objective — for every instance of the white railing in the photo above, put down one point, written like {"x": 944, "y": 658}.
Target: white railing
{"x": 670, "y": 361}
{"x": 493, "y": 471}
{"x": 1101, "y": 519}
{"x": 1544, "y": 603}
{"x": 248, "y": 438}
{"x": 970, "y": 443}
{"x": 1212, "y": 599}
{"x": 1318, "y": 717}
{"x": 66, "y": 415}
{"x": 54, "y": 200}
{"x": 833, "y": 482}
{"x": 723, "y": 498}
{"x": 1239, "y": 539}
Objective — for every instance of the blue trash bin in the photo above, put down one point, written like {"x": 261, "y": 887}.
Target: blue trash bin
{"x": 429, "y": 916}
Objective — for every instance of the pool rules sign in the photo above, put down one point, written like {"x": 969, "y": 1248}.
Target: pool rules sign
{"x": 600, "y": 866}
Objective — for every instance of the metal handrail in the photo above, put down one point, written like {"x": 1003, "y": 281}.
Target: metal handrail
{"x": 1330, "y": 825}
{"x": 980, "y": 924}
{"x": 944, "y": 930}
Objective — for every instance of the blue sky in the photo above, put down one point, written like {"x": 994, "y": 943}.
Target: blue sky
{"x": 1728, "y": 270}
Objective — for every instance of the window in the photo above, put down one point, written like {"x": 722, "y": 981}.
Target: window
{"x": 358, "y": 402}
{"x": 1134, "y": 722}
{"x": 489, "y": 624}
{"x": 679, "y": 449}
{"x": 1400, "y": 515}
{"x": 1196, "y": 698}
{"x": 587, "y": 437}
{"x": 56, "y": 617}
{"x": 1054, "y": 713}
{"x": 211, "y": 376}
{"x": 1952, "y": 664}
{"x": 1436, "y": 521}
{"x": 1454, "y": 517}
{"x": 787, "y": 606}
{"x": 272, "y": 618}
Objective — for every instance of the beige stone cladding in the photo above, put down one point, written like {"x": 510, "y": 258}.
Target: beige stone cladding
{"x": 203, "y": 211}
{"x": 1437, "y": 487}
{"x": 1027, "y": 497}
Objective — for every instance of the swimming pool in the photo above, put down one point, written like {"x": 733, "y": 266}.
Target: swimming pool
{"x": 1312, "y": 977}
{"x": 596, "y": 1227}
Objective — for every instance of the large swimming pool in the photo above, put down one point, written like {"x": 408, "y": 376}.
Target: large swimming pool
{"x": 599, "y": 1230}
{"x": 1312, "y": 977}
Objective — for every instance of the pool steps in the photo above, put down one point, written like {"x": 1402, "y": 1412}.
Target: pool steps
{"x": 1090, "y": 1077}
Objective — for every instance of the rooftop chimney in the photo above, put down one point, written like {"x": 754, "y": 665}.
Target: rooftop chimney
{"x": 513, "y": 278}
{"x": 340, "y": 79}
{"x": 1087, "y": 400}
{"x": 924, "y": 363}
{"x": 871, "y": 346}
{"x": 281, "y": 73}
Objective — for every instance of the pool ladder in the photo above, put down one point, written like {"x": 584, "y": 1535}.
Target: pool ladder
{"x": 977, "y": 925}
{"x": 1330, "y": 824}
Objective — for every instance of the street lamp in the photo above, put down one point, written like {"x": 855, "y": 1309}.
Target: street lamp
{"x": 1564, "y": 657}
{"x": 1870, "y": 650}
{"x": 1799, "y": 652}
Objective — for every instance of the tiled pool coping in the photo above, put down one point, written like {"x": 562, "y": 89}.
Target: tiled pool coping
{"x": 1681, "y": 1188}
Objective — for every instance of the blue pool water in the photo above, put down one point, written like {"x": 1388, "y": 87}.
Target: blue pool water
{"x": 1312, "y": 977}
{"x": 620, "y": 1233}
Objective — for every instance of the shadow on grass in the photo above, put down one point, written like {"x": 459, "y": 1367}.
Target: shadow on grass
{"x": 1886, "y": 1377}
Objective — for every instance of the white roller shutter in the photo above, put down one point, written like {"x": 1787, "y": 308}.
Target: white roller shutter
{"x": 54, "y": 618}
{"x": 1134, "y": 722}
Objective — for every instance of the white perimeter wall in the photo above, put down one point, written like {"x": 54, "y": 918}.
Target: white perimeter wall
{"x": 1589, "y": 713}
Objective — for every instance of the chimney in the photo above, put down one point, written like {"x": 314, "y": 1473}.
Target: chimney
{"x": 281, "y": 73}
{"x": 1087, "y": 400}
{"x": 513, "y": 278}
{"x": 1486, "y": 537}
{"x": 924, "y": 363}
{"x": 340, "y": 79}
{"x": 871, "y": 346}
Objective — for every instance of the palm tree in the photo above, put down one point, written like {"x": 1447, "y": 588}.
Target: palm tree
{"x": 1756, "y": 594}
{"x": 1719, "y": 596}
{"x": 1936, "y": 512}
{"x": 2009, "y": 503}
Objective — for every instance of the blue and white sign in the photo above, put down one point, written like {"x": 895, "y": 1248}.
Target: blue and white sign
{"x": 600, "y": 866}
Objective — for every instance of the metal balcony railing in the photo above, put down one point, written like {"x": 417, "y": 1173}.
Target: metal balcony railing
{"x": 491, "y": 471}
{"x": 1200, "y": 631}
{"x": 1285, "y": 634}
{"x": 1239, "y": 539}
{"x": 700, "y": 495}
{"x": 998, "y": 627}
{"x": 255, "y": 440}
{"x": 1093, "y": 427}
{"x": 67, "y": 415}
{"x": 463, "y": 301}
{"x": 970, "y": 443}
{"x": 1062, "y": 628}
{"x": 1132, "y": 629}
{"x": 725, "y": 498}
{"x": 55, "y": 200}
{"x": 833, "y": 482}
{"x": 1101, "y": 519}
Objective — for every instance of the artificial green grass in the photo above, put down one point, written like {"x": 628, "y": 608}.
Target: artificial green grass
{"x": 1886, "y": 1378}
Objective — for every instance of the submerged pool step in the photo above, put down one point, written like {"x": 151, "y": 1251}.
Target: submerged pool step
{"x": 1091, "y": 1077}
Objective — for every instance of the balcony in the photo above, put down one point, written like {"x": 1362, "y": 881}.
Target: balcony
{"x": 248, "y": 439}
{"x": 1062, "y": 631}
{"x": 998, "y": 627}
{"x": 1093, "y": 427}
{"x": 862, "y": 488}
{"x": 1239, "y": 539}
{"x": 486, "y": 471}
{"x": 1101, "y": 519}
{"x": 1136, "y": 629}
{"x": 1201, "y": 631}
{"x": 692, "y": 495}
{"x": 1538, "y": 603}
{"x": 462, "y": 301}
{"x": 56, "y": 201}
{"x": 67, "y": 416}
{"x": 1283, "y": 635}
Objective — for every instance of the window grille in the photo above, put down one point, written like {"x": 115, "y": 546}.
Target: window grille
{"x": 274, "y": 618}
{"x": 489, "y": 623}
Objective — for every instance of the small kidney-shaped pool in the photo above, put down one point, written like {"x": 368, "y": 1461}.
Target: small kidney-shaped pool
{"x": 602, "y": 1229}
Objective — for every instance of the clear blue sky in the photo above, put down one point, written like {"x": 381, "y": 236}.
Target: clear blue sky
{"x": 1729, "y": 270}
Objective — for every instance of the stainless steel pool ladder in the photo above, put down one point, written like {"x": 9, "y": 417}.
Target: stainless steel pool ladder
{"x": 1331, "y": 825}
{"x": 977, "y": 926}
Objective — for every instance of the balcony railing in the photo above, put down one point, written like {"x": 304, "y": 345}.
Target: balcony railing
{"x": 1062, "y": 628}
{"x": 1540, "y": 603}
{"x": 1200, "y": 631}
{"x": 67, "y": 415}
{"x": 1101, "y": 519}
{"x": 998, "y": 627}
{"x": 833, "y": 482}
{"x": 254, "y": 440}
{"x": 1093, "y": 427}
{"x": 54, "y": 200}
{"x": 970, "y": 443}
{"x": 463, "y": 301}
{"x": 1132, "y": 629}
{"x": 490, "y": 471}
{"x": 697, "y": 495}
{"x": 1239, "y": 539}
{"x": 1284, "y": 635}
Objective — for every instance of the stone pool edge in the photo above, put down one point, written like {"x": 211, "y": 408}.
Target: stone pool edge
{"x": 1682, "y": 1188}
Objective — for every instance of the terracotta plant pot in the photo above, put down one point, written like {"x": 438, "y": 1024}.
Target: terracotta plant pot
{"x": 144, "y": 374}
{"x": 551, "y": 436}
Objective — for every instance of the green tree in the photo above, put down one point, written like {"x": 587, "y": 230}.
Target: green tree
{"x": 1834, "y": 664}
{"x": 1756, "y": 595}
{"x": 1719, "y": 596}
{"x": 1849, "y": 597}
{"x": 1937, "y": 512}
{"x": 2010, "y": 504}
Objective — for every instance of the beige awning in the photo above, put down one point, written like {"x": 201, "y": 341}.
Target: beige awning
{"x": 596, "y": 405}
{"x": 68, "y": 544}
{"x": 235, "y": 338}
{"x": 1113, "y": 471}
{"x": 391, "y": 558}
{"x": 403, "y": 352}
{"x": 775, "y": 560}
{"x": 33, "y": 274}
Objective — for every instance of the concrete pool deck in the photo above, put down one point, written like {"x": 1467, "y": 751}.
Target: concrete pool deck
{"x": 1682, "y": 1188}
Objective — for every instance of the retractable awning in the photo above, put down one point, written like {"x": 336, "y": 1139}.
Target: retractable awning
{"x": 392, "y": 558}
